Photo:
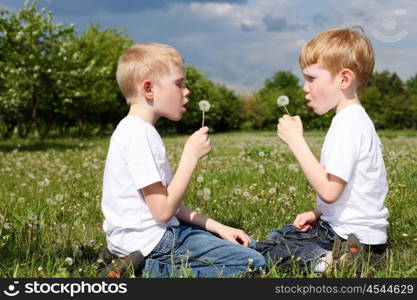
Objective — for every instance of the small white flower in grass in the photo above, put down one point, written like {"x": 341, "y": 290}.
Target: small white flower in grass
{"x": 292, "y": 189}
{"x": 207, "y": 191}
{"x": 200, "y": 179}
{"x": 204, "y": 107}
{"x": 283, "y": 100}
{"x": 59, "y": 197}
{"x": 272, "y": 190}
{"x": 261, "y": 153}
{"x": 6, "y": 225}
{"x": 86, "y": 194}
{"x": 69, "y": 261}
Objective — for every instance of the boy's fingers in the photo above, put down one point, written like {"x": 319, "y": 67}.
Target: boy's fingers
{"x": 204, "y": 129}
{"x": 243, "y": 240}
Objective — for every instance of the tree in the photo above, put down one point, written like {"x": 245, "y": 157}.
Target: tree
{"x": 54, "y": 79}
{"x": 28, "y": 44}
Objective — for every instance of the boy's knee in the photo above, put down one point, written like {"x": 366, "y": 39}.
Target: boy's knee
{"x": 257, "y": 261}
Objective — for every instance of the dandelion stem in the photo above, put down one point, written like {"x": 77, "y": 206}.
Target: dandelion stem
{"x": 287, "y": 110}
{"x": 202, "y": 124}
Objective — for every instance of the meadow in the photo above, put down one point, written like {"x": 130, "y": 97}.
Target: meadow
{"x": 50, "y": 193}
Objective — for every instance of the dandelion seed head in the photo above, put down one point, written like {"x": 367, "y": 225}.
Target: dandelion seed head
{"x": 200, "y": 179}
{"x": 283, "y": 100}
{"x": 204, "y": 105}
{"x": 69, "y": 261}
{"x": 246, "y": 195}
{"x": 59, "y": 197}
{"x": 292, "y": 189}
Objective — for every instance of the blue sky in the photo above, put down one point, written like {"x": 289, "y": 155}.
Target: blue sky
{"x": 240, "y": 43}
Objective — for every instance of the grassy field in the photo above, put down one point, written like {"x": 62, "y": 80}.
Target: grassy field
{"x": 50, "y": 192}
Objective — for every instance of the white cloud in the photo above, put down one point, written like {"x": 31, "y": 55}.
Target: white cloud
{"x": 212, "y": 10}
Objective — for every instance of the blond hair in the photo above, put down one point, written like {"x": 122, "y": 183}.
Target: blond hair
{"x": 144, "y": 61}
{"x": 336, "y": 49}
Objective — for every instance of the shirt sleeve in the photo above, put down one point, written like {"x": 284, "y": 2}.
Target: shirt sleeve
{"x": 141, "y": 160}
{"x": 342, "y": 151}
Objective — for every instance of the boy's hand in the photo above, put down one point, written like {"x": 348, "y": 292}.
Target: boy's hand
{"x": 198, "y": 144}
{"x": 290, "y": 129}
{"x": 303, "y": 222}
{"x": 236, "y": 236}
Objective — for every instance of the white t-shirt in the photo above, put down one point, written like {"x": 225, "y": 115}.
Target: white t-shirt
{"x": 352, "y": 151}
{"x": 136, "y": 159}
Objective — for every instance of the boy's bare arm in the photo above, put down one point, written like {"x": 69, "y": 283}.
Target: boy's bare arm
{"x": 231, "y": 234}
{"x": 327, "y": 186}
{"x": 163, "y": 202}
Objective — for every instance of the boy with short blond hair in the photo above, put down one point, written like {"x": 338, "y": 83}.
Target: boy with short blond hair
{"x": 142, "y": 200}
{"x": 350, "y": 179}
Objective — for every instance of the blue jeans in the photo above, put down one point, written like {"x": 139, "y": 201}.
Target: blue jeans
{"x": 286, "y": 245}
{"x": 187, "y": 249}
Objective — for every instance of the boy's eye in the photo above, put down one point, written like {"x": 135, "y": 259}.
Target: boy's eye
{"x": 181, "y": 84}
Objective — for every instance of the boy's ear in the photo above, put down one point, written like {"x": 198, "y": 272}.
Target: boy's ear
{"x": 346, "y": 77}
{"x": 147, "y": 89}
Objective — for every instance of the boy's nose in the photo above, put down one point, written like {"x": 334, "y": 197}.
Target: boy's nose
{"x": 305, "y": 87}
{"x": 186, "y": 92}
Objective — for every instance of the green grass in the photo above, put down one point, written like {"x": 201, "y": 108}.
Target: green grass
{"x": 50, "y": 196}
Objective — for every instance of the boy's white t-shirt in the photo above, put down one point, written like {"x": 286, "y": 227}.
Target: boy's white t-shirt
{"x": 352, "y": 151}
{"x": 136, "y": 158}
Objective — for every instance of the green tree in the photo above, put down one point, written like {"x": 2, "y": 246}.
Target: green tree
{"x": 28, "y": 44}
{"x": 87, "y": 80}
{"x": 54, "y": 79}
